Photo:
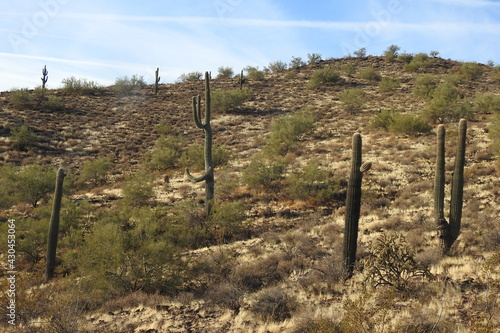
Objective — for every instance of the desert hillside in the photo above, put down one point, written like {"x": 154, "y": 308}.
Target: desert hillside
{"x": 138, "y": 252}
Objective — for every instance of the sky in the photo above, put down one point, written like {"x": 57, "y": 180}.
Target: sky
{"x": 102, "y": 40}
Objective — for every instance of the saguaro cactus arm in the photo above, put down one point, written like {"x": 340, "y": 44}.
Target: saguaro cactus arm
{"x": 54, "y": 226}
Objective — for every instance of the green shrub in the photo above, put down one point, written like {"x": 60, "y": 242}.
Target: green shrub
{"x": 226, "y": 221}
{"x": 81, "y": 86}
{"x": 253, "y": 73}
{"x": 419, "y": 61}
{"x": 95, "y": 171}
{"x": 349, "y": 69}
{"x": 54, "y": 103}
{"x": 406, "y": 123}
{"x": 277, "y": 66}
{"x": 314, "y": 184}
{"x": 323, "y": 76}
{"x": 125, "y": 85}
{"x": 487, "y": 103}
{"x": 35, "y": 182}
{"x": 194, "y": 156}
{"x": 190, "y": 77}
{"x": 425, "y": 85}
{"x": 370, "y": 74}
{"x": 447, "y": 105}
{"x": 391, "y": 53}
{"x": 22, "y": 137}
{"x": 286, "y": 132}
{"x": 296, "y": 62}
{"x": 21, "y": 98}
{"x": 391, "y": 262}
{"x": 313, "y": 58}
{"x": 405, "y": 57}
{"x": 166, "y": 153}
{"x": 496, "y": 74}
{"x": 138, "y": 191}
{"x": 353, "y": 100}
{"x": 388, "y": 84}
{"x": 225, "y": 72}
{"x": 225, "y": 100}
{"x": 361, "y": 53}
{"x": 8, "y": 186}
{"x": 470, "y": 71}
{"x": 494, "y": 133}
{"x": 264, "y": 172}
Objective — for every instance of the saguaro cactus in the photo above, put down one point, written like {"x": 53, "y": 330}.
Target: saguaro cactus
{"x": 157, "y": 79}
{"x": 45, "y": 76}
{"x": 242, "y": 80}
{"x": 353, "y": 203}
{"x": 54, "y": 226}
{"x": 448, "y": 232}
{"x": 208, "y": 177}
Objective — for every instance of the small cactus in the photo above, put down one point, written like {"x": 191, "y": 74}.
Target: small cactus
{"x": 157, "y": 80}
{"x": 208, "y": 177}
{"x": 449, "y": 231}
{"x": 45, "y": 76}
{"x": 353, "y": 204}
{"x": 54, "y": 226}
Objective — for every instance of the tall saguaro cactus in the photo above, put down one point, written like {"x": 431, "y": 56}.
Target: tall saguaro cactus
{"x": 157, "y": 79}
{"x": 45, "y": 76}
{"x": 353, "y": 204}
{"x": 208, "y": 177}
{"x": 54, "y": 226}
{"x": 448, "y": 231}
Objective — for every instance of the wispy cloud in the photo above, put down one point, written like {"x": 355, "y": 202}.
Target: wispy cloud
{"x": 469, "y": 3}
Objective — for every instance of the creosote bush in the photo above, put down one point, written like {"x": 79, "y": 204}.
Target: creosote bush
{"x": 405, "y": 123}
{"x": 353, "y": 100}
{"x": 254, "y": 73}
{"x": 95, "y": 171}
{"x": 277, "y": 66}
{"x": 274, "y": 304}
{"x": 125, "y": 85}
{"x": 448, "y": 105}
{"x": 225, "y": 72}
{"x": 370, "y": 74}
{"x": 419, "y": 61}
{"x": 22, "y": 137}
{"x": 139, "y": 189}
{"x": 167, "y": 151}
{"x": 425, "y": 85}
{"x": 190, "y": 77}
{"x": 81, "y": 86}
{"x": 388, "y": 84}
{"x": 322, "y": 77}
{"x": 21, "y": 98}
{"x": 226, "y": 100}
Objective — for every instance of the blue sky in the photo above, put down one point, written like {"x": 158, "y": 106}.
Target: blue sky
{"x": 102, "y": 40}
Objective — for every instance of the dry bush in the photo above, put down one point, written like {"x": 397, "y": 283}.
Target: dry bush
{"x": 274, "y": 304}
{"x": 227, "y": 295}
{"x": 260, "y": 273}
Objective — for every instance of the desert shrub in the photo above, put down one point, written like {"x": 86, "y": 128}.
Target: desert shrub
{"x": 95, "y": 171}
{"x": 370, "y": 74}
{"x": 391, "y": 262}
{"x": 405, "y": 57}
{"x": 323, "y": 76}
{"x": 287, "y": 130}
{"x": 361, "y": 53}
{"x": 22, "y": 137}
{"x": 391, "y": 53}
{"x": 35, "y": 182}
{"x": 387, "y": 84}
{"x": 470, "y": 71}
{"x": 253, "y": 73}
{"x": 419, "y": 61}
{"x": 166, "y": 153}
{"x": 225, "y": 100}
{"x": 349, "y": 69}
{"x": 496, "y": 74}
{"x": 194, "y": 156}
{"x": 313, "y": 183}
{"x": 406, "y": 123}
{"x": 313, "y": 58}
{"x": 296, "y": 62}
{"x": 274, "y": 304}
{"x": 264, "y": 172}
{"x": 21, "y": 98}
{"x": 81, "y": 86}
{"x": 189, "y": 77}
{"x": 352, "y": 100}
{"x": 226, "y": 220}
{"x": 8, "y": 187}
{"x": 487, "y": 103}
{"x": 447, "y": 105}
{"x": 425, "y": 85}
{"x": 54, "y": 103}
{"x": 138, "y": 191}
{"x": 31, "y": 239}
{"x": 125, "y": 85}
{"x": 227, "y": 295}
{"x": 277, "y": 66}
{"x": 225, "y": 72}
